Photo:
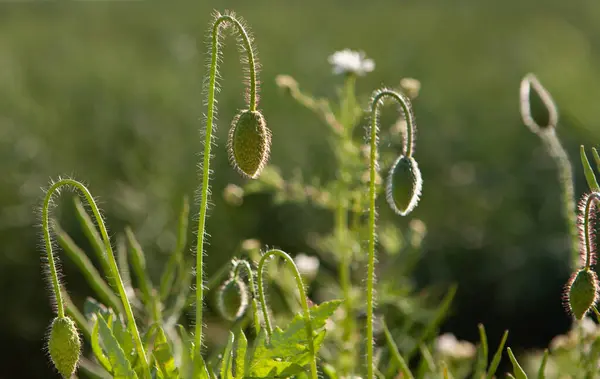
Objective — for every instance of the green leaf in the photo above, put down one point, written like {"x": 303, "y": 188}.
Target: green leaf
{"x": 89, "y": 229}
{"x": 541, "y": 373}
{"x": 287, "y": 352}
{"x": 482, "y": 354}
{"x": 519, "y": 373}
{"x": 86, "y": 267}
{"x": 497, "y": 357}
{"x": 163, "y": 355}
{"x": 124, "y": 338}
{"x": 121, "y": 368}
{"x": 240, "y": 355}
{"x": 97, "y": 349}
{"x": 168, "y": 276}
{"x": 138, "y": 261}
{"x": 588, "y": 171}
{"x": 227, "y": 362}
{"x": 596, "y": 157}
{"x": 186, "y": 366}
{"x": 396, "y": 357}
{"x": 440, "y": 314}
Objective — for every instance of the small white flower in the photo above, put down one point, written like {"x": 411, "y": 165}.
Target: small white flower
{"x": 448, "y": 346}
{"x": 351, "y": 62}
{"x": 308, "y": 266}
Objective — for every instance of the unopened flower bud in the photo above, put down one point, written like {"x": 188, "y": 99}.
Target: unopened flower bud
{"x": 64, "y": 346}
{"x": 249, "y": 143}
{"x": 404, "y": 185}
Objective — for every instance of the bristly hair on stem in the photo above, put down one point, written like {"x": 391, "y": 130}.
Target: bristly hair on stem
{"x": 413, "y": 176}
{"x": 54, "y": 189}
{"x": 249, "y": 63}
{"x": 588, "y": 208}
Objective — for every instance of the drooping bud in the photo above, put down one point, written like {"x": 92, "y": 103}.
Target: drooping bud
{"x": 232, "y": 299}
{"x": 538, "y": 110}
{"x": 404, "y": 185}
{"x": 581, "y": 292}
{"x": 249, "y": 143}
{"x": 64, "y": 346}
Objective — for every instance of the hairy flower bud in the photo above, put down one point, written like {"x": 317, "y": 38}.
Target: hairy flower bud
{"x": 582, "y": 292}
{"x": 404, "y": 185}
{"x": 232, "y": 299}
{"x": 249, "y": 143}
{"x": 64, "y": 346}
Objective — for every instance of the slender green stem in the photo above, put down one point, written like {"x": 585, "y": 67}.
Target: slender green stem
{"x": 210, "y": 116}
{"x": 594, "y": 196}
{"x": 565, "y": 175}
{"x": 344, "y": 270}
{"x": 131, "y": 325}
{"x": 303, "y": 300}
{"x": 242, "y": 264}
{"x": 408, "y": 151}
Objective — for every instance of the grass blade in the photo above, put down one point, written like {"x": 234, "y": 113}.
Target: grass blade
{"x": 396, "y": 357}
{"x": 587, "y": 170}
{"x": 497, "y": 357}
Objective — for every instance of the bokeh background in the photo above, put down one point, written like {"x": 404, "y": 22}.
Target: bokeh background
{"x": 110, "y": 92}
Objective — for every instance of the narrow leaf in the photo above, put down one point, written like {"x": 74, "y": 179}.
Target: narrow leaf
{"x": 497, "y": 357}
{"x": 86, "y": 267}
{"x": 519, "y": 373}
{"x": 396, "y": 357}
{"x": 97, "y": 349}
{"x": 227, "y": 362}
{"x": 588, "y": 171}
{"x": 483, "y": 354}
{"x": 240, "y": 355}
{"x": 541, "y": 372}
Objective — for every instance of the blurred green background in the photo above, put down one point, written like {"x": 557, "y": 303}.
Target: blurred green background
{"x": 111, "y": 93}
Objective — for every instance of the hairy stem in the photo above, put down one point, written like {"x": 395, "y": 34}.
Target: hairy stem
{"x": 303, "y": 300}
{"x": 210, "y": 117}
{"x": 131, "y": 325}
{"x": 565, "y": 176}
{"x": 593, "y": 197}
{"x": 376, "y": 103}
{"x": 242, "y": 264}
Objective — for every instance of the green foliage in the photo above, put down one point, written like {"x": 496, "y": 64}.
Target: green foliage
{"x": 326, "y": 336}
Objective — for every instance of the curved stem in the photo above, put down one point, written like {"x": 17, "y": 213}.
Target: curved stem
{"x": 594, "y": 196}
{"x": 408, "y": 151}
{"x": 210, "y": 116}
{"x": 242, "y": 264}
{"x": 303, "y": 299}
{"x": 131, "y": 325}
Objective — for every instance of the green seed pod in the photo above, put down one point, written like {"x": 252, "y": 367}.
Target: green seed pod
{"x": 404, "y": 185}
{"x": 249, "y": 143}
{"x": 232, "y": 299}
{"x": 582, "y": 292}
{"x": 64, "y": 346}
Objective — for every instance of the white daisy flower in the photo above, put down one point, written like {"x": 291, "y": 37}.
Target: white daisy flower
{"x": 351, "y": 62}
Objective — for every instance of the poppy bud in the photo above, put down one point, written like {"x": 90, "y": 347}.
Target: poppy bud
{"x": 404, "y": 185}
{"x": 64, "y": 346}
{"x": 582, "y": 292}
{"x": 249, "y": 143}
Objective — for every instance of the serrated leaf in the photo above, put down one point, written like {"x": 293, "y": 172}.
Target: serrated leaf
{"x": 121, "y": 368}
{"x": 288, "y": 350}
{"x": 124, "y": 338}
{"x": 240, "y": 355}
{"x": 588, "y": 171}
{"x": 97, "y": 349}
{"x": 164, "y": 356}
